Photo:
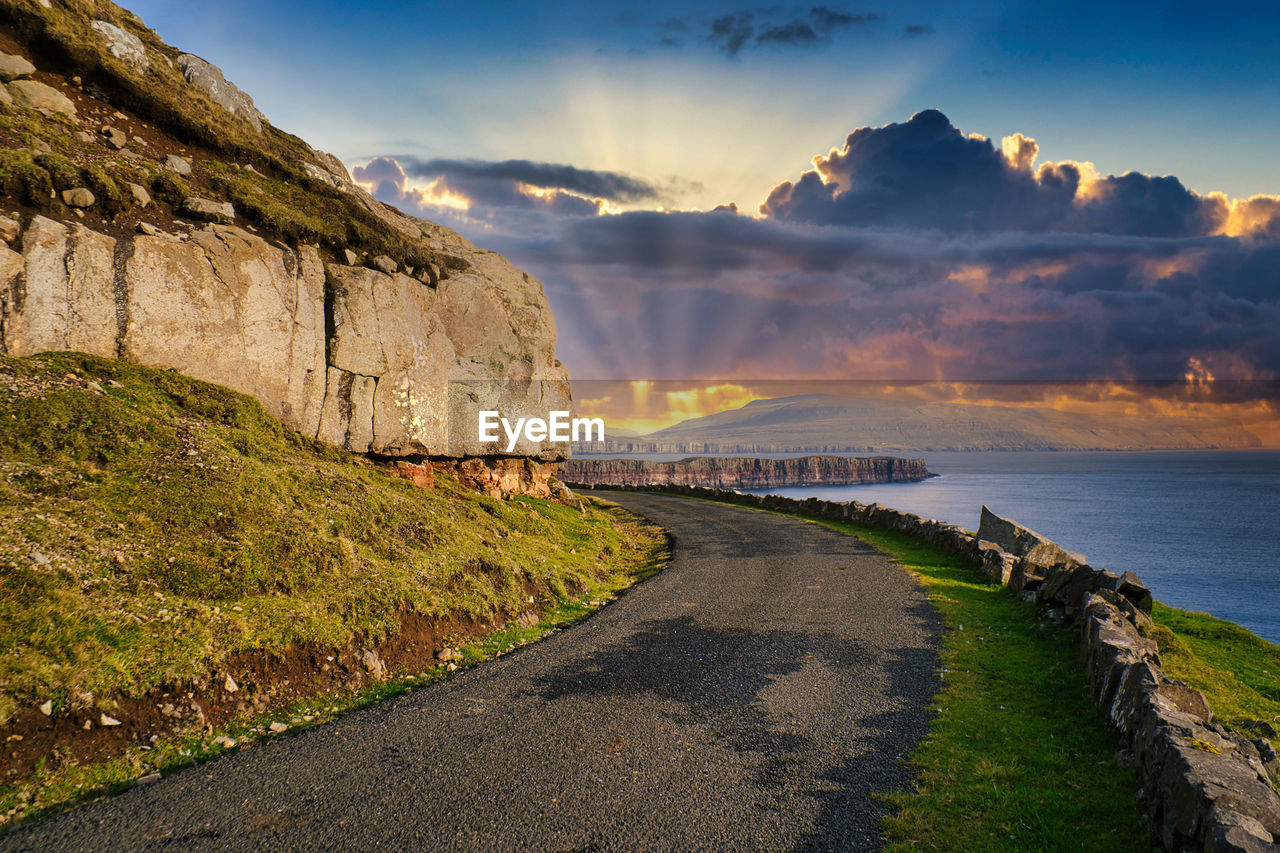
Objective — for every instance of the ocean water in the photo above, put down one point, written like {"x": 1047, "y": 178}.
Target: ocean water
{"x": 1202, "y": 529}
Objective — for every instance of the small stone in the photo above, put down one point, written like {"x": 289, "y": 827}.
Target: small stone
{"x": 123, "y": 45}
{"x": 108, "y": 720}
{"x": 207, "y": 210}
{"x": 148, "y": 229}
{"x": 115, "y": 137}
{"x": 153, "y": 776}
{"x": 84, "y": 137}
{"x": 47, "y": 708}
{"x": 40, "y": 559}
{"x": 230, "y": 684}
{"x": 278, "y": 727}
{"x": 174, "y": 163}
{"x": 76, "y": 81}
{"x": 140, "y": 194}
{"x": 351, "y": 256}
{"x": 444, "y": 654}
{"x": 452, "y": 667}
{"x": 88, "y": 725}
{"x": 9, "y": 229}
{"x": 225, "y": 742}
{"x": 12, "y": 67}
{"x": 78, "y": 197}
{"x": 373, "y": 663}
{"x": 382, "y": 263}
{"x": 140, "y": 140}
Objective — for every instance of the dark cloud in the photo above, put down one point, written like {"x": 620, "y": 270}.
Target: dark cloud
{"x": 913, "y": 251}
{"x": 756, "y": 28}
{"x": 925, "y": 173}
{"x": 614, "y": 186}
{"x": 916, "y": 30}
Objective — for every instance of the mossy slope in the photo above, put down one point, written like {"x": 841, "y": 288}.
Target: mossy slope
{"x": 152, "y": 524}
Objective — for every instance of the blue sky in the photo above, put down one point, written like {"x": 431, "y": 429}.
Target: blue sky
{"x": 1164, "y": 88}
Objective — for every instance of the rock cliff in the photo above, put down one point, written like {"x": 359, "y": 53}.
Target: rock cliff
{"x": 744, "y": 473}
{"x": 151, "y": 213}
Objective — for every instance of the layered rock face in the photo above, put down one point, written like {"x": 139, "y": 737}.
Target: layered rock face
{"x": 744, "y": 473}
{"x": 376, "y": 362}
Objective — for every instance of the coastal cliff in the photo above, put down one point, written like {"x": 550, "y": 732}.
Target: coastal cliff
{"x": 744, "y": 473}
{"x": 151, "y": 213}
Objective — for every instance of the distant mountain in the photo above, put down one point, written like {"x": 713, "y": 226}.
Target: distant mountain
{"x": 818, "y": 423}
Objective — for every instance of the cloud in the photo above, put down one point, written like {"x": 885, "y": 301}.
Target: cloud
{"x": 911, "y": 251}
{"x": 463, "y": 184}
{"x": 735, "y": 32}
{"x": 917, "y": 30}
{"x": 925, "y": 173}
{"x": 614, "y": 186}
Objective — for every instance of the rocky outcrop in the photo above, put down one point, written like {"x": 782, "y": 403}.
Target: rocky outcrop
{"x": 745, "y": 473}
{"x": 375, "y": 362}
{"x": 209, "y": 79}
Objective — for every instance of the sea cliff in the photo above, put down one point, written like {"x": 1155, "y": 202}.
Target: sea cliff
{"x": 743, "y": 472}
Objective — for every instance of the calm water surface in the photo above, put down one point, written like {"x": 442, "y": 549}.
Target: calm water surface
{"x": 1201, "y": 528}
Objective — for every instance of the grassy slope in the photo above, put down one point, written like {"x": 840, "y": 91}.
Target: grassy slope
{"x": 151, "y": 524}
{"x": 1238, "y": 671}
{"x": 280, "y": 198}
{"x": 1018, "y": 757}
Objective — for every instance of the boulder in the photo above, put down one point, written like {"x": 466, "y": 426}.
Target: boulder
{"x": 177, "y": 164}
{"x": 209, "y": 79}
{"x": 384, "y": 264}
{"x": 123, "y": 45}
{"x": 13, "y": 67}
{"x": 78, "y": 197}
{"x": 207, "y": 210}
{"x": 139, "y": 193}
{"x": 10, "y": 228}
{"x": 1023, "y": 541}
{"x": 115, "y": 138}
{"x": 35, "y": 95}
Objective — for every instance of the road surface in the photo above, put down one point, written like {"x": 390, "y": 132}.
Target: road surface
{"x": 752, "y": 696}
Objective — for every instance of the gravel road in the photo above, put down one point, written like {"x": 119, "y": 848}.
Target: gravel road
{"x": 752, "y": 696}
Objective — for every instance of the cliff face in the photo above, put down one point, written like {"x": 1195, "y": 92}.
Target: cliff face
{"x": 151, "y": 213}
{"x": 744, "y": 473}
{"x": 223, "y": 305}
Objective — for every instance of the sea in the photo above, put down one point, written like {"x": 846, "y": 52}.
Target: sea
{"x": 1201, "y": 528}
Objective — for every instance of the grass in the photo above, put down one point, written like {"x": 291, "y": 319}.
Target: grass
{"x": 55, "y": 790}
{"x": 152, "y": 524}
{"x": 1017, "y": 756}
{"x": 1238, "y": 671}
{"x": 280, "y": 197}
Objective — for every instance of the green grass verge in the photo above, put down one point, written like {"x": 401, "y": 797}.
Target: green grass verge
{"x": 52, "y": 791}
{"x": 1017, "y": 757}
{"x": 1238, "y": 671}
{"x": 151, "y": 525}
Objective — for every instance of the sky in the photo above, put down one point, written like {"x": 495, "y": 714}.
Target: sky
{"x": 908, "y": 191}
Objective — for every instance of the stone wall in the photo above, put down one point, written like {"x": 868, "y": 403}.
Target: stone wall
{"x": 1202, "y": 787}
{"x": 730, "y": 472}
